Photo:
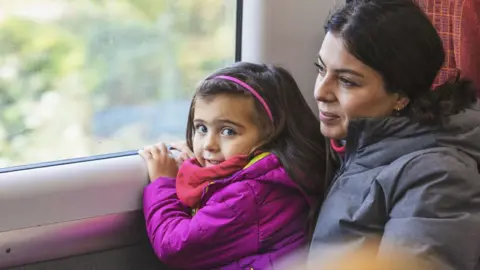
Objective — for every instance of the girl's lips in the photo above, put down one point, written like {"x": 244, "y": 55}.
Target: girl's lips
{"x": 212, "y": 162}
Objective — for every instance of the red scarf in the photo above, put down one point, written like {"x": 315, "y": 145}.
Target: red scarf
{"x": 192, "y": 178}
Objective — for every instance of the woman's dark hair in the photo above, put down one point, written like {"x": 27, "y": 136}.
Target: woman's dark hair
{"x": 294, "y": 136}
{"x": 397, "y": 39}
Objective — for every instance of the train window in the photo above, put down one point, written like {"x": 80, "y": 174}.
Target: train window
{"x": 90, "y": 77}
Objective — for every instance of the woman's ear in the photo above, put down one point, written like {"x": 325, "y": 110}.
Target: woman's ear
{"x": 401, "y": 103}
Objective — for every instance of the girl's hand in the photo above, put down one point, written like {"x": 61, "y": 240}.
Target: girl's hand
{"x": 159, "y": 162}
{"x": 186, "y": 153}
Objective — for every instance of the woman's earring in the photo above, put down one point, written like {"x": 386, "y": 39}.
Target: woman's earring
{"x": 401, "y": 105}
{"x": 398, "y": 109}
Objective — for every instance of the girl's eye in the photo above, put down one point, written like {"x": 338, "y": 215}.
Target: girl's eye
{"x": 201, "y": 128}
{"x": 347, "y": 82}
{"x": 320, "y": 68}
{"x": 228, "y": 132}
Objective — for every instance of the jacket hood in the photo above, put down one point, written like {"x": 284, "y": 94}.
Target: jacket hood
{"x": 386, "y": 139}
{"x": 268, "y": 170}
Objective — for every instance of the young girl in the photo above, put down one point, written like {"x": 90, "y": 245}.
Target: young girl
{"x": 248, "y": 195}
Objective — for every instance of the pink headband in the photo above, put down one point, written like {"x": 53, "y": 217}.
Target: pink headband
{"x": 251, "y": 90}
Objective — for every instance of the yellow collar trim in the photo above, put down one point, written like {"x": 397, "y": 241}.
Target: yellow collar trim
{"x": 256, "y": 158}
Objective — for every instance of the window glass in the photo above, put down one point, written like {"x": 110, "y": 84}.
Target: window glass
{"x": 87, "y": 77}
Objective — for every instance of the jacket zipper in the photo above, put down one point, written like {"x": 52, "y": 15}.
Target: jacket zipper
{"x": 342, "y": 169}
{"x": 337, "y": 175}
{"x": 205, "y": 190}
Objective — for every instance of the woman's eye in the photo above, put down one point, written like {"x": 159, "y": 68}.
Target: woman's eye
{"x": 228, "y": 132}
{"x": 320, "y": 68}
{"x": 347, "y": 82}
{"x": 201, "y": 128}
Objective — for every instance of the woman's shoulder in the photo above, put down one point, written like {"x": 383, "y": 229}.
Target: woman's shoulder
{"x": 440, "y": 159}
{"x": 443, "y": 169}
{"x": 408, "y": 142}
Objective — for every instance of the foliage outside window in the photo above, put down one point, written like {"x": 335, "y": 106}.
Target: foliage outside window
{"x": 79, "y": 78}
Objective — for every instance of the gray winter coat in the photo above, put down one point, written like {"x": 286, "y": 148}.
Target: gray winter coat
{"x": 415, "y": 186}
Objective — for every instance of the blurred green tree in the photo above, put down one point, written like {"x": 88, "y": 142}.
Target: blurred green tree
{"x": 62, "y": 65}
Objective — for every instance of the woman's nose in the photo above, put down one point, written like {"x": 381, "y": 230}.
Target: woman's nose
{"x": 324, "y": 90}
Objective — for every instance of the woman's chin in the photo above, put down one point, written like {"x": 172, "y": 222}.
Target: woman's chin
{"x": 335, "y": 132}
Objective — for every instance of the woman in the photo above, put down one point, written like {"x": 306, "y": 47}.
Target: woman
{"x": 409, "y": 156}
